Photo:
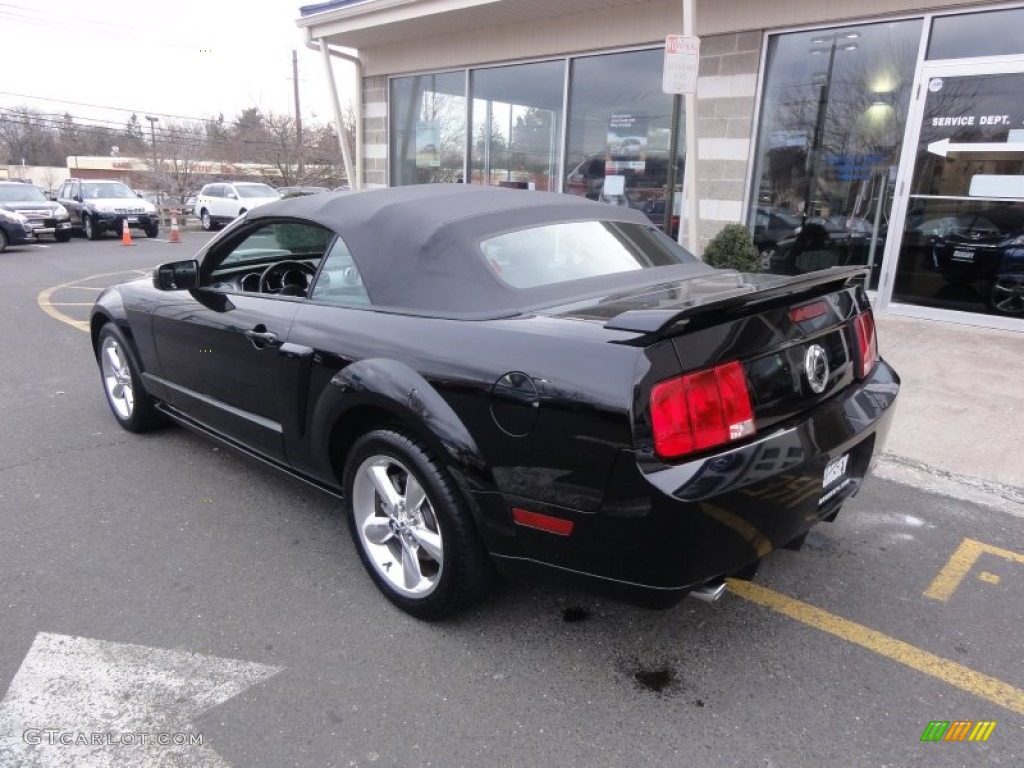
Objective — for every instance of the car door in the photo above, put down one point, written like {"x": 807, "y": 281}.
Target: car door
{"x": 222, "y": 346}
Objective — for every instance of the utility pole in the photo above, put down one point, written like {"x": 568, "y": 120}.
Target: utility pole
{"x": 152, "y": 140}
{"x": 298, "y": 114}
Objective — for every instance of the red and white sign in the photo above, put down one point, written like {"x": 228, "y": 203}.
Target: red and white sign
{"x": 682, "y": 57}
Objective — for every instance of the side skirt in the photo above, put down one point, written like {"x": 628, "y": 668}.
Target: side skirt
{"x": 195, "y": 426}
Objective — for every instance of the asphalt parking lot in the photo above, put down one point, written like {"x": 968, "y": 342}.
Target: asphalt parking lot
{"x": 160, "y": 584}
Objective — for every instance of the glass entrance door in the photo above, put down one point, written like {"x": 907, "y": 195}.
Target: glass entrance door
{"x": 961, "y": 243}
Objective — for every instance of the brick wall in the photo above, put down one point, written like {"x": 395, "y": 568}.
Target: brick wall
{"x": 375, "y": 131}
{"x": 726, "y": 88}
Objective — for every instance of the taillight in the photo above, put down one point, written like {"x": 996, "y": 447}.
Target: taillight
{"x": 701, "y": 410}
{"x": 867, "y": 343}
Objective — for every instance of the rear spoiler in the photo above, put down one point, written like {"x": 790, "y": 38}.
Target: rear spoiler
{"x": 745, "y": 294}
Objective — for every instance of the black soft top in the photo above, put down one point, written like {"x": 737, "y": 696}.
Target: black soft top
{"x": 417, "y": 247}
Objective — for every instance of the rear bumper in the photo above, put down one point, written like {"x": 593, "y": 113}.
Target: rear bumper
{"x": 662, "y": 530}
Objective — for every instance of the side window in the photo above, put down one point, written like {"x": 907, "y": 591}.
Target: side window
{"x": 277, "y": 258}
{"x": 339, "y": 281}
{"x": 214, "y": 191}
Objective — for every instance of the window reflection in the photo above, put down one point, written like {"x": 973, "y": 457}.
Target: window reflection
{"x": 832, "y": 122}
{"x": 619, "y": 126}
{"x": 517, "y": 125}
{"x": 428, "y": 128}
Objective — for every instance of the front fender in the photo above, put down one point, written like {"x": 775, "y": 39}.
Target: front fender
{"x": 384, "y": 385}
{"x": 109, "y": 307}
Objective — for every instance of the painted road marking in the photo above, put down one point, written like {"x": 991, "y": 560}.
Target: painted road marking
{"x": 946, "y": 670}
{"x": 50, "y": 307}
{"x": 82, "y": 702}
{"x": 954, "y": 571}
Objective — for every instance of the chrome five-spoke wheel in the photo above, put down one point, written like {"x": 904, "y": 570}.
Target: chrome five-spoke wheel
{"x": 397, "y": 526}
{"x": 412, "y": 526}
{"x": 122, "y": 382}
{"x": 117, "y": 378}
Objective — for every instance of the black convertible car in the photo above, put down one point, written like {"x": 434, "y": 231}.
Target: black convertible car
{"x": 521, "y": 379}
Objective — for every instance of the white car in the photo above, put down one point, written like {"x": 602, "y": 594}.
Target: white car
{"x": 221, "y": 202}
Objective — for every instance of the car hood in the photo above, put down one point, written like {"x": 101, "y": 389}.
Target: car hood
{"x": 122, "y": 202}
{"x": 32, "y": 205}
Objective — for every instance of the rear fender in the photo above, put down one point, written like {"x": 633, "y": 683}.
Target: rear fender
{"x": 394, "y": 388}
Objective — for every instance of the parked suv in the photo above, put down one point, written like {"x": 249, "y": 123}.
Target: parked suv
{"x": 219, "y": 203}
{"x": 97, "y": 206}
{"x": 44, "y": 217}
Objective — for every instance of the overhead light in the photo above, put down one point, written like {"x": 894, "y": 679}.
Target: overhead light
{"x": 852, "y": 35}
{"x": 849, "y": 47}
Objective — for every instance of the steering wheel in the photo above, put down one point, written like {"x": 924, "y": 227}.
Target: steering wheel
{"x": 289, "y": 281}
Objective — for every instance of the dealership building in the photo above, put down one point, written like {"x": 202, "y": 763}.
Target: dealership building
{"x": 884, "y": 133}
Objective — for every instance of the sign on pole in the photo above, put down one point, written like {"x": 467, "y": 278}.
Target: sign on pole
{"x": 682, "y": 56}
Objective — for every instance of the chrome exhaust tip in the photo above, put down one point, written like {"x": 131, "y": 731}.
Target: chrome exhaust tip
{"x": 710, "y": 593}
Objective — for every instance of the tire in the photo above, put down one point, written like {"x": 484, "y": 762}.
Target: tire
{"x": 122, "y": 384}
{"x": 63, "y": 236}
{"x": 206, "y": 219}
{"x": 91, "y": 231}
{"x": 3, "y": 241}
{"x": 152, "y": 230}
{"x": 427, "y": 560}
{"x": 1006, "y": 296}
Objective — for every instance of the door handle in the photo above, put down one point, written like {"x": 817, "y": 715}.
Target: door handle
{"x": 261, "y": 338}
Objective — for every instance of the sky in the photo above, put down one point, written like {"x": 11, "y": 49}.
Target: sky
{"x": 103, "y": 60}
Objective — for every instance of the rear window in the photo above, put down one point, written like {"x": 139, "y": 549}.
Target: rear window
{"x": 559, "y": 253}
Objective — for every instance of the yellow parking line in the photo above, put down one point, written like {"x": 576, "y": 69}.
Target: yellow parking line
{"x": 43, "y": 299}
{"x": 960, "y": 564}
{"x": 946, "y": 670}
{"x": 70, "y": 303}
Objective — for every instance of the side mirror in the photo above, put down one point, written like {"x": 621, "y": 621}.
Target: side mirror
{"x": 232, "y": 196}
{"x": 176, "y": 276}
{"x": 77, "y": 198}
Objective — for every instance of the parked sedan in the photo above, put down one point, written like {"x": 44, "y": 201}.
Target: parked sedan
{"x": 44, "y": 216}
{"x": 530, "y": 381}
{"x": 973, "y": 248}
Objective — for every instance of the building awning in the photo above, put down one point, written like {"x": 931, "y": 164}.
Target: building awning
{"x": 368, "y": 23}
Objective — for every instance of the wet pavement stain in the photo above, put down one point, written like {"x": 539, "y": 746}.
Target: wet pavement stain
{"x": 657, "y": 679}
{"x": 574, "y": 614}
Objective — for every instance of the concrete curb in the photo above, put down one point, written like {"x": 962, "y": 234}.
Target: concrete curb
{"x": 900, "y": 469}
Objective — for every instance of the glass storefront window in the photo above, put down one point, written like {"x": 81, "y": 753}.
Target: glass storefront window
{"x": 620, "y": 126}
{"x": 963, "y": 237}
{"x": 832, "y": 120}
{"x": 428, "y": 128}
{"x": 517, "y": 125}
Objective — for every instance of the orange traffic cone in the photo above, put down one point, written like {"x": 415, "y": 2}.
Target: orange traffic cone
{"x": 175, "y": 234}
{"x": 126, "y": 233}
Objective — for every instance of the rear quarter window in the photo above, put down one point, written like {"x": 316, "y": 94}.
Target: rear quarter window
{"x": 566, "y": 251}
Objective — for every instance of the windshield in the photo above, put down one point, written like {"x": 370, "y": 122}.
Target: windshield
{"x": 106, "y": 190}
{"x": 16, "y": 193}
{"x": 558, "y": 253}
{"x": 256, "y": 190}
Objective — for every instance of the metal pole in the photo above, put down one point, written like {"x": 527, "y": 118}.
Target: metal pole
{"x": 819, "y": 131}
{"x": 353, "y": 182}
{"x": 152, "y": 140}
{"x": 670, "y": 175}
{"x": 298, "y": 114}
{"x": 690, "y": 169}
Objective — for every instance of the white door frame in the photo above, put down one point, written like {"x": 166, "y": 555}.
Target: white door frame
{"x": 992, "y": 65}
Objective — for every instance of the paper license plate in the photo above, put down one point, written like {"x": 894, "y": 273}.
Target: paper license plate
{"x": 133, "y": 219}
{"x": 835, "y": 470}
{"x": 963, "y": 255}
